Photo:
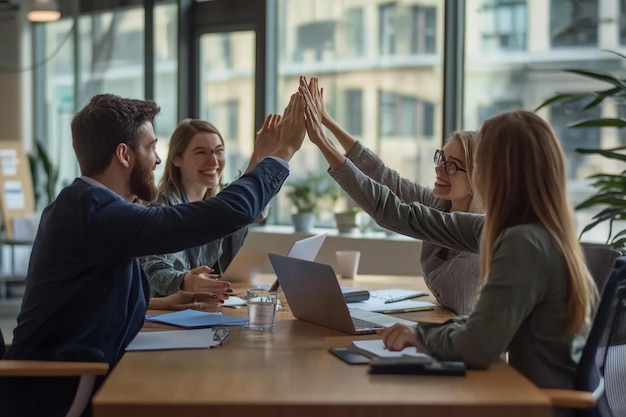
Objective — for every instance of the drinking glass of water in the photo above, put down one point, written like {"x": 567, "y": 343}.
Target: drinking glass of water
{"x": 261, "y": 308}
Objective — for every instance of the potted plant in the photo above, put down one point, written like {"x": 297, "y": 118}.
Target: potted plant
{"x": 304, "y": 194}
{"x": 349, "y": 220}
{"x": 610, "y": 187}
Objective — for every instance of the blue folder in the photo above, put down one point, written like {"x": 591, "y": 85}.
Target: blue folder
{"x": 193, "y": 319}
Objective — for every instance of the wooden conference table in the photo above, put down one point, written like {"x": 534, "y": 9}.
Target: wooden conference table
{"x": 288, "y": 372}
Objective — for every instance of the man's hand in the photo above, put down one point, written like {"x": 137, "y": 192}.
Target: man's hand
{"x": 291, "y": 128}
{"x": 266, "y": 140}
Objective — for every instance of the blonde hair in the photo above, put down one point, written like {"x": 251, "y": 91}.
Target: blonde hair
{"x": 185, "y": 131}
{"x": 521, "y": 168}
{"x": 468, "y": 140}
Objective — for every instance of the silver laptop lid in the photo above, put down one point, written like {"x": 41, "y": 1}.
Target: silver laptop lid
{"x": 313, "y": 292}
{"x": 249, "y": 261}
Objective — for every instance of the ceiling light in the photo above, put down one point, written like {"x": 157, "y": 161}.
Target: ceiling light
{"x": 44, "y": 11}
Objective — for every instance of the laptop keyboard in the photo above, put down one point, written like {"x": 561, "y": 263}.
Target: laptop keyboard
{"x": 364, "y": 324}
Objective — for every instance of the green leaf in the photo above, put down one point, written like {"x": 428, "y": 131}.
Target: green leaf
{"x": 601, "y": 96}
{"x": 597, "y": 75}
{"x": 607, "y": 153}
{"x": 614, "y": 199}
{"x": 564, "y": 99}
{"x": 608, "y": 122}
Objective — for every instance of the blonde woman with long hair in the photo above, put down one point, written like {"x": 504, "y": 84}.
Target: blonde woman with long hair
{"x": 538, "y": 296}
{"x": 452, "y": 276}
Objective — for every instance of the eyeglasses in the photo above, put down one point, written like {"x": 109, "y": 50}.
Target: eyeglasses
{"x": 450, "y": 167}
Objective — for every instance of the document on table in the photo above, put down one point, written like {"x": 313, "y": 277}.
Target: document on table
{"x": 234, "y": 301}
{"x": 194, "y": 319}
{"x": 176, "y": 339}
{"x": 392, "y": 295}
{"x": 376, "y": 348}
{"x": 379, "y": 306}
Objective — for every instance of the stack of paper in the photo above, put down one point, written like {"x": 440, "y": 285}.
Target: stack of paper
{"x": 176, "y": 339}
{"x": 392, "y": 295}
{"x": 393, "y": 301}
{"x": 194, "y": 319}
{"x": 376, "y": 349}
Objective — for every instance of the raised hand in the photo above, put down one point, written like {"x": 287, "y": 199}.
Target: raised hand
{"x": 267, "y": 137}
{"x": 317, "y": 95}
{"x": 313, "y": 120}
{"x": 266, "y": 140}
{"x": 291, "y": 128}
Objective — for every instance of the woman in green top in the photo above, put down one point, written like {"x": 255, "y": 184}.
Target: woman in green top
{"x": 538, "y": 296}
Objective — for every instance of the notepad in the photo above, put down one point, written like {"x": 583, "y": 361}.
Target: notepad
{"x": 379, "y": 306}
{"x": 234, "y": 301}
{"x": 376, "y": 349}
{"x": 174, "y": 339}
{"x": 392, "y": 295}
{"x": 195, "y": 319}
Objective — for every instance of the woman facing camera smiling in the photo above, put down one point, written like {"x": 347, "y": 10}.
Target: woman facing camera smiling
{"x": 451, "y": 275}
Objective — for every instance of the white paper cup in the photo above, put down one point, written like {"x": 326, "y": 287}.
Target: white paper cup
{"x": 348, "y": 263}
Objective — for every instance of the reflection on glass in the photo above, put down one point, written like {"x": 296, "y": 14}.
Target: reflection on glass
{"x": 380, "y": 65}
{"x": 504, "y": 39}
{"x": 227, "y": 71}
{"x": 57, "y": 90}
{"x": 165, "y": 77}
{"x": 112, "y": 53}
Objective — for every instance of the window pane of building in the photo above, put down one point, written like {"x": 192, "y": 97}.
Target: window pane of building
{"x": 574, "y": 22}
{"x": 165, "y": 75}
{"x": 227, "y": 71}
{"x": 55, "y": 88}
{"x": 380, "y": 64}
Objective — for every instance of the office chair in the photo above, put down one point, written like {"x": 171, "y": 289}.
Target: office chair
{"x": 599, "y": 385}
{"x": 87, "y": 371}
{"x": 600, "y": 260}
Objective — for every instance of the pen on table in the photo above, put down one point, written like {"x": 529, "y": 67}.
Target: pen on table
{"x": 402, "y": 298}
{"x": 406, "y": 310}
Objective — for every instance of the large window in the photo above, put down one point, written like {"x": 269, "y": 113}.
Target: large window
{"x": 388, "y": 98}
{"x": 227, "y": 74}
{"x": 55, "y": 98}
{"x": 379, "y": 61}
{"x": 496, "y": 80}
{"x": 110, "y": 59}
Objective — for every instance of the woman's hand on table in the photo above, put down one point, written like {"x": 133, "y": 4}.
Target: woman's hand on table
{"x": 399, "y": 336}
{"x": 183, "y": 300}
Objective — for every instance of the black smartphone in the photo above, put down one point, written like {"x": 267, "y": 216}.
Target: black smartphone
{"x": 348, "y": 356}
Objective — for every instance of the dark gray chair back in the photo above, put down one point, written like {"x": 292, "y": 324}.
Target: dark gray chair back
{"x": 600, "y": 260}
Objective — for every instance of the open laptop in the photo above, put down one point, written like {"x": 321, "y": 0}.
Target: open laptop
{"x": 249, "y": 262}
{"x": 314, "y": 295}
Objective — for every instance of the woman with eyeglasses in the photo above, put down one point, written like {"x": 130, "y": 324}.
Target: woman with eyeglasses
{"x": 537, "y": 297}
{"x": 451, "y": 275}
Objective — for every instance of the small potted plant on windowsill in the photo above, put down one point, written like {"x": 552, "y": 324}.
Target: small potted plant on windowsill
{"x": 348, "y": 221}
{"x": 304, "y": 194}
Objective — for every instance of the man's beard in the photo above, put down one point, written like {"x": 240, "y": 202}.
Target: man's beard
{"x": 142, "y": 183}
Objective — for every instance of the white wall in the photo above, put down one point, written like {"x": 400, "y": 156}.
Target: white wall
{"x": 380, "y": 254}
